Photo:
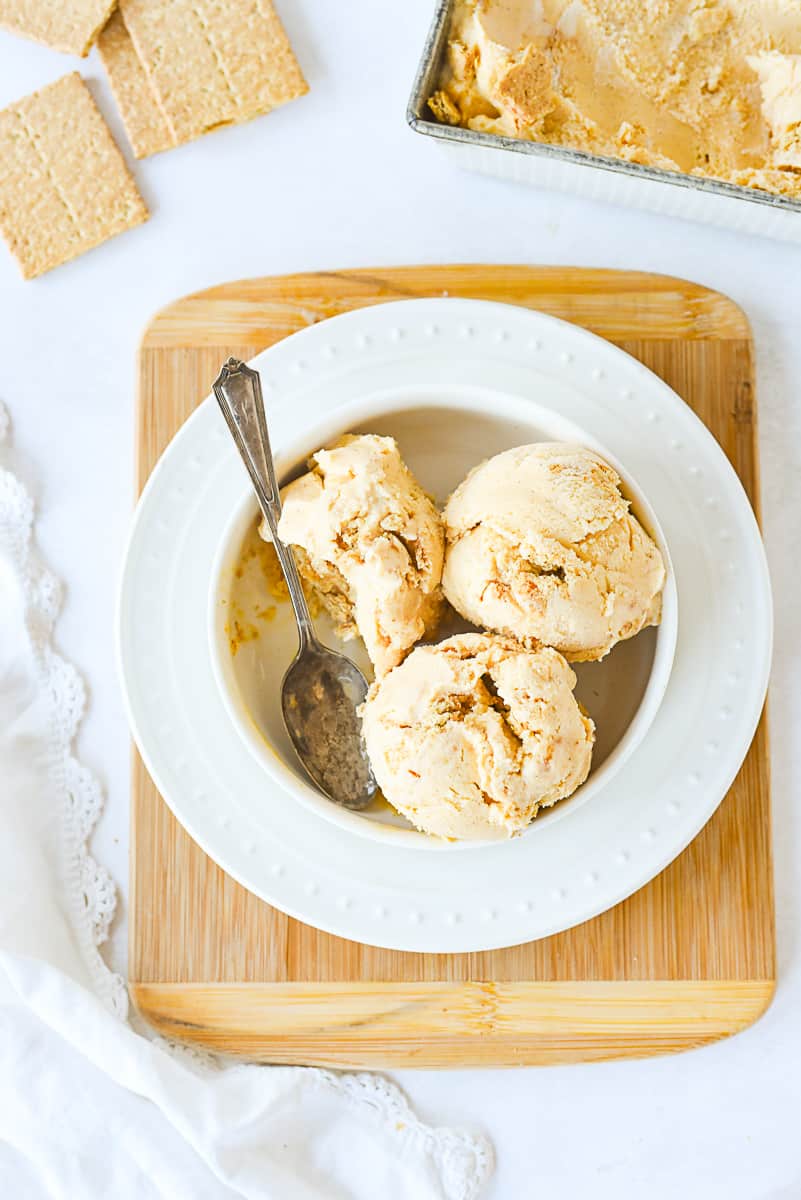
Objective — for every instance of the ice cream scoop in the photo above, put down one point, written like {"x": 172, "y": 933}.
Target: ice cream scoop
{"x": 541, "y": 546}
{"x": 370, "y": 542}
{"x": 471, "y": 737}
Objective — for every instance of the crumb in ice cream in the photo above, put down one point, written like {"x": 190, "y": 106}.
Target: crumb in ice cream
{"x": 470, "y": 738}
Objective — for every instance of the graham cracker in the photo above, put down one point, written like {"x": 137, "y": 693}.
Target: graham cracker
{"x": 70, "y": 25}
{"x": 213, "y": 62}
{"x": 144, "y": 121}
{"x": 64, "y": 186}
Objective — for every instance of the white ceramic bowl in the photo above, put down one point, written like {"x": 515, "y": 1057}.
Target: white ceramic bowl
{"x": 441, "y": 433}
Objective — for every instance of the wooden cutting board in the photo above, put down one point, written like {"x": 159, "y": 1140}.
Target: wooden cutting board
{"x": 688, "y": 959}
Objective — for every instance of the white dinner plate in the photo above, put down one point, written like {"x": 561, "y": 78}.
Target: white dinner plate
{"x": 566, "y": 871}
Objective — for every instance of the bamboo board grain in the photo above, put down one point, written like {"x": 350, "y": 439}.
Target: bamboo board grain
{"x": 688, "y": 959}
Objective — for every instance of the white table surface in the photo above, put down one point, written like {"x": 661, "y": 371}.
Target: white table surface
{"x": 337, "y": 180}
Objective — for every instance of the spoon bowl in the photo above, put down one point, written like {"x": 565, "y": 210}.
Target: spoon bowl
{"x": 320, "y": 697}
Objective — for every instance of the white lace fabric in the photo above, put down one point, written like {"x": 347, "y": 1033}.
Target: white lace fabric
{"x": 146, "y": 1117}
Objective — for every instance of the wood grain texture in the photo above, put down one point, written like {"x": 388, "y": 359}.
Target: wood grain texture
{"x": 257, "y": 312}
{"x": 449, "y": 1024}
{"x": 688, "y": 959}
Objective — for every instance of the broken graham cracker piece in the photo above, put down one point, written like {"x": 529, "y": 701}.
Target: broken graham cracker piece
{"x": 444, "y": 108}
{"x": 144, "y": 121}
{"x": 64, "y": 187}
{"x": 527, "y": 87}
{"x": 70, "y": 25}
{"x": 213, "y": 62}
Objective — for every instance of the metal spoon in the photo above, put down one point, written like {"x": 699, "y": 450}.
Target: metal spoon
{"x": 322, "y": 689}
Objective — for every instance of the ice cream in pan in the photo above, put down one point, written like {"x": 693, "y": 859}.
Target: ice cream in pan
{"x": 472, "y": 736}
{"x": 703, "y": 87}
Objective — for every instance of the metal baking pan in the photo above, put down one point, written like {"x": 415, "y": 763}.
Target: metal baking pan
{"x": 613, "y": 180}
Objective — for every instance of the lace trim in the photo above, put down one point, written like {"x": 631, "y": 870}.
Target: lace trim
{"x": 464, "y": 1161}
{"x": 90, "y": 892}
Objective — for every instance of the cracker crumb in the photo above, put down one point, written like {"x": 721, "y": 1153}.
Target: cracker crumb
{"x": 444, "y": 108}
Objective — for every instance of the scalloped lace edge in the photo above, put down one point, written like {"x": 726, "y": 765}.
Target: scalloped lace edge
{"x": 464, "y": 1160}
{"x": 89, "y": 889}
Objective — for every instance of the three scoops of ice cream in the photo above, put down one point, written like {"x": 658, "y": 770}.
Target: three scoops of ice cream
{"x": 471, "y": 736}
